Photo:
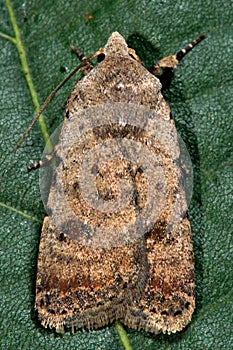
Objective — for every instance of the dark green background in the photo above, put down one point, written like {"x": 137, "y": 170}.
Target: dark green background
{"x": 201, "y": 101}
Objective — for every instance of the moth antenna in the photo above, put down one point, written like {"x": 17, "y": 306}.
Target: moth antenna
{"x": 49, "y": 98}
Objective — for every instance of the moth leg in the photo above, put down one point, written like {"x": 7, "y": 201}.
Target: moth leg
{"x": 78, "y": 53}
{"x": 89, "y": 66}
{"x": 45, "y": 161}
{"x": 163, "y": 69}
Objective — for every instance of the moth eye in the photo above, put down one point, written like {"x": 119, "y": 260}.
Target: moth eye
{"x": 101, "y": 57}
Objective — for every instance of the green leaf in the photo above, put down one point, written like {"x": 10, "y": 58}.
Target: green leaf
{"x": 201, "y": 101}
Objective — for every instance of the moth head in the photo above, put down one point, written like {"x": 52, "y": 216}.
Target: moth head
{"x": 116, "y": 45}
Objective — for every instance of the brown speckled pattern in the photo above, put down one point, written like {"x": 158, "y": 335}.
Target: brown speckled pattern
{"x": 148, "y": 283}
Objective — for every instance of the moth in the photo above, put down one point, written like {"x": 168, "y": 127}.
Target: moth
{"x": 102, "y": 256}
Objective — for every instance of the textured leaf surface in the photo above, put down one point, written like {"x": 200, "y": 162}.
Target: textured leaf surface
{"x": 201, "y": 101}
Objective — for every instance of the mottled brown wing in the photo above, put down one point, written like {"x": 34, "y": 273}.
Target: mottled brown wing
{"x": 81, "y": 286}
{"x": 168, "y": 301}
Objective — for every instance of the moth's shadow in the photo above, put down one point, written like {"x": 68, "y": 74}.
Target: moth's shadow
{"x": 144, "y": 49}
